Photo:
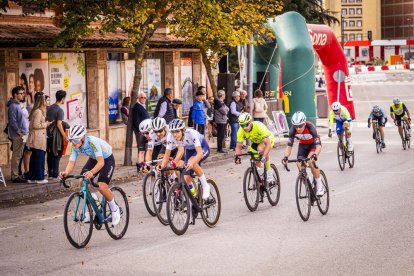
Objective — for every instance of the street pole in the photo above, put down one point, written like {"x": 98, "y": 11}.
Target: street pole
{"x": 409, "y": 40}
{"x": 250, "y": 73}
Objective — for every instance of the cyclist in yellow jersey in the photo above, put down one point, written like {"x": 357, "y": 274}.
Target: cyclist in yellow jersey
{"x": 261, "y": 141}
{"x": 341, "y": 116}
{"x": 398, "y": 112}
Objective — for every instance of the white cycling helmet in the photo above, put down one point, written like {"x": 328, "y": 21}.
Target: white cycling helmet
{"x": 77, "y": 132}
{"x": 158, "y": 123}
{"x": 298, "y": 118}
{"x": 176, "y": 124}
{"x": 244, "y": 118}
{"x": 376, "y": 109}
{"x": 145, "y": 125}
{"x": 336, "y": 106}
{"x": 396, "y": 101}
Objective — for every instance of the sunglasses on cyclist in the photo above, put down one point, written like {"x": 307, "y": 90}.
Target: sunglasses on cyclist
{"x": 74, "y": 141}
{"x": 175, "y": 131}
{"x": 244, "y": 125}
{"x": 158, "y": 131}
{"x": 300, "y": 126}
{"x": 145, "y": 133}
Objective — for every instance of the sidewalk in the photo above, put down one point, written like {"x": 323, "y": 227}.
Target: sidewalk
{"x": 17, "y": 192}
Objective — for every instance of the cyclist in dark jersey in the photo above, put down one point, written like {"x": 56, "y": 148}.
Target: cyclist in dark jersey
{"x": 309, "y": 146}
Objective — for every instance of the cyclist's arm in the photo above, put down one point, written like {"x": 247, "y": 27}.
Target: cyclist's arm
{"x": 198, "y": 156}
{"x": 239, "y": 148}
{"x": 165, "y": 158}
{"x": 239, "y": 141}
{"x": 180, "y": 154}
{"x": 392, "y": 113}
{"x": 316, "y": 139}
{"x": 99, "y": 165}
{"x": 148, "y": 155}
{"x": 331, "y": 120}
{"x": 69, "y": 167}
{"x": 406, "y": 110}
{"x": 288, "y": 151}
{"x": 290, "y": 142}
{"x": 318, "y": 149}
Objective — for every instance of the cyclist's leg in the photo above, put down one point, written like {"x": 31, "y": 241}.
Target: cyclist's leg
{"x": 399, "y": 125}
{"x": 339, "y": 129}
{"x": 374, "y": 128}
{"x": 316, "y": 172}
{"x": 348, "y": 134}
{"x": 381, "y": 125}
{"x": 303, "y": 152}
{"x": 261, "y": 148}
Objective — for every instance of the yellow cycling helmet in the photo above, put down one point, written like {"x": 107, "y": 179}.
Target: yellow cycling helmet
{"x": 244, "y": 118}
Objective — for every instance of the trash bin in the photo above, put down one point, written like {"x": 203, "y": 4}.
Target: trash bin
{"x": 322, "y": 106}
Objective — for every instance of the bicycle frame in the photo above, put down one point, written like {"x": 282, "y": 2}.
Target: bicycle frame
{"x": 304, "y": 174}
{"x": 253, "y": 161}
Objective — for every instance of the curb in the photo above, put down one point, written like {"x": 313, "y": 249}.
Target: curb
{"x": 26, "y": 192}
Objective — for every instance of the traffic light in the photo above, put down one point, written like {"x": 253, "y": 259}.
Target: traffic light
{"x": 369, "y": 35}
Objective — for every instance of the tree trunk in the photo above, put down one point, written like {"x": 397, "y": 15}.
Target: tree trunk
{"x": 209, "y": 70}
{"x": 139, "y": 57}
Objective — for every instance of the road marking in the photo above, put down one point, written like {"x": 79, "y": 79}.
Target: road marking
{"x": 8, "y": 227}
{"x": 49, "y": 218}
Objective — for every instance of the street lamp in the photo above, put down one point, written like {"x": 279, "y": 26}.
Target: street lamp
{"x": 409, "y": 40}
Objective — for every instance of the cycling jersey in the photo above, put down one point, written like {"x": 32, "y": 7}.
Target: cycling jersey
{"x": 92, "y": 147}
{"x": 341, "y": 117}
{"x": 154, "y": 141}
{"x": 308, "y": 136}
{"x": 191, "y": 140}
{"x": 257, "y": 133}
{"x": 377, "y": 115}
{"x": 399, "y": 110}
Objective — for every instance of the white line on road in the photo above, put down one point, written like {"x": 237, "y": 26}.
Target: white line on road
{"x": 49, "y": 218}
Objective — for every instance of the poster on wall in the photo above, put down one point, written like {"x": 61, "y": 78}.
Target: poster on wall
{"x": 153, "y": 83}
{"x": 186, "y": 84}
{"x": 33, "y": 74}
{"x": 113, "y": 90}
{"x": 67, "y": 72}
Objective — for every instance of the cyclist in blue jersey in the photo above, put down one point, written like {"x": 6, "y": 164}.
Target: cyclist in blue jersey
{"x": 378, "y": 114}
{"x": 101, "y": 161}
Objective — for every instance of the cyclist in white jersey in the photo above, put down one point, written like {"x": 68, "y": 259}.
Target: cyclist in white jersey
{"x": 101, "y": 161}
{"x": 196, "y": 150}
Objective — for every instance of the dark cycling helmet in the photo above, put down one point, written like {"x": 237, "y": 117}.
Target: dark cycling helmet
{"x": 176, "y": 124}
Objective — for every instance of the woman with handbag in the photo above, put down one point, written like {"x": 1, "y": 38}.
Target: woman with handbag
{"x": 259, "y": 106}
{"x": 36, "y": 140}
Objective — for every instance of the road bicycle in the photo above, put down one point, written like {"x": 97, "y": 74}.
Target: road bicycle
{"x": 183, "y": 208}
{"x": 344, "y": 156}
{"x": 148, "y": 185}
{"x": 405, "y": 138}
{"x": 77, "y": 230}
{"x": 305, "y": 191}
{"x": 255, "y": 186}
{"x": 377, "y": 133}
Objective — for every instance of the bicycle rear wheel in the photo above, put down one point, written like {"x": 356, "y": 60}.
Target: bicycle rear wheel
{"x": 323, "y": 201}
{"x": 77, "y": 231}
{"x": 117, "y": 231}
{"x": 159, "y": 194}
{"x": 211, "y": 208}
{"x": 273, "y": 190}
{"x": 178, "y": 209}
{"x": 147, "y": 188}
{"x": 250, "y": 190}
{"x": 303, "y": 198}
{"x": 351, "y": 158}
{"x": 341, "y": 155}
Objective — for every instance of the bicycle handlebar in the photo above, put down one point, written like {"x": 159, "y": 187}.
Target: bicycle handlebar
{"x": 76, "y": 176}
{"x": 251, "y": 154}
{"x": 303, "y": 160}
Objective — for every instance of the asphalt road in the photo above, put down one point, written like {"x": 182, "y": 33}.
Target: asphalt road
{"x": 367, "y": 231}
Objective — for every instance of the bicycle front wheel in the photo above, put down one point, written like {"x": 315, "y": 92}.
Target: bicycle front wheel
{"x": 77, "y": 231}
{"x": 211, "y": 208}
{"x": 147, "y": 188}
{"x": 303, "y": 198}
{"x": 178, "y": 209}
{"x": 117, "y": 231}
{"x": 273, "y": 190}
{"x": 159, "y": 194}
{"x": 250, "y": 190}
{"x": 341, "y": 155}
{"x": 351, "y": 158}
{"x": 323, "y": 201}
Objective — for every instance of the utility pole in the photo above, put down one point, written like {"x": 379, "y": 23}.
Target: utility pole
{"x": 342, "y": 31}
{"x": 409, "y": 40}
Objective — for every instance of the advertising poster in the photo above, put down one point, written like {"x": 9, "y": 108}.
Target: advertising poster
{"x": 33, "y": 74}
{"x": 67, "y": 72}
{"x": 113, "y": 90}
{"x": 153, "y": 83}
{"x": 186, "y": 83}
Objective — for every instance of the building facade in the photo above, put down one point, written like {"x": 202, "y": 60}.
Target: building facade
{"x": 397, "y": 19}
{"x": 96, "y": 79}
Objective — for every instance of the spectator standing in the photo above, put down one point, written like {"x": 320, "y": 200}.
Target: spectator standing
{"x": 235, "y": 110}
{"x": 55, "y": 134}
{"x": 125, "y": 109}
{"x": 36, "y": 141}
{"x": 244, "y": 101}
{"x": 26, "y": 153}
{"x": 17, "y": 131}
{"x": 259, "y": 106}
{"x": 197, "y": 114}
{"x": 202, "y": 89}
{"x": 220, "y": 119}
{"x": 164, "y": 108}
{"x": 139, "y": 114}
{"x": 176, "y": 105}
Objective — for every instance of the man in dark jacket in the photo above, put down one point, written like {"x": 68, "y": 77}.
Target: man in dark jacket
{"x": 139, "y": 114}
{"x": 235, "y": 109}
{"x": 176, "y": 104}
{"x": 17, "y": 131}
{"x": 55, "y": 134}
{"x": 220, "y": 119}
{"x": 164, "y": 108}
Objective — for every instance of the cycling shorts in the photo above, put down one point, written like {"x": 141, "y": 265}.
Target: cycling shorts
{"x": 254, "y": 146}
{"x": 305, "y": 149}
{"x": 380, "y": 120}
{"x": 105, "y": 174}
{"x": 192, "y": 152}
{"x": 339, "y": 127}
{"x": 398, "y": 118}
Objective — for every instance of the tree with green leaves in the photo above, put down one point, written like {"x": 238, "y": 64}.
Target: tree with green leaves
{"x": 213, "y": 26}
{"x": 311, "y": 10}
